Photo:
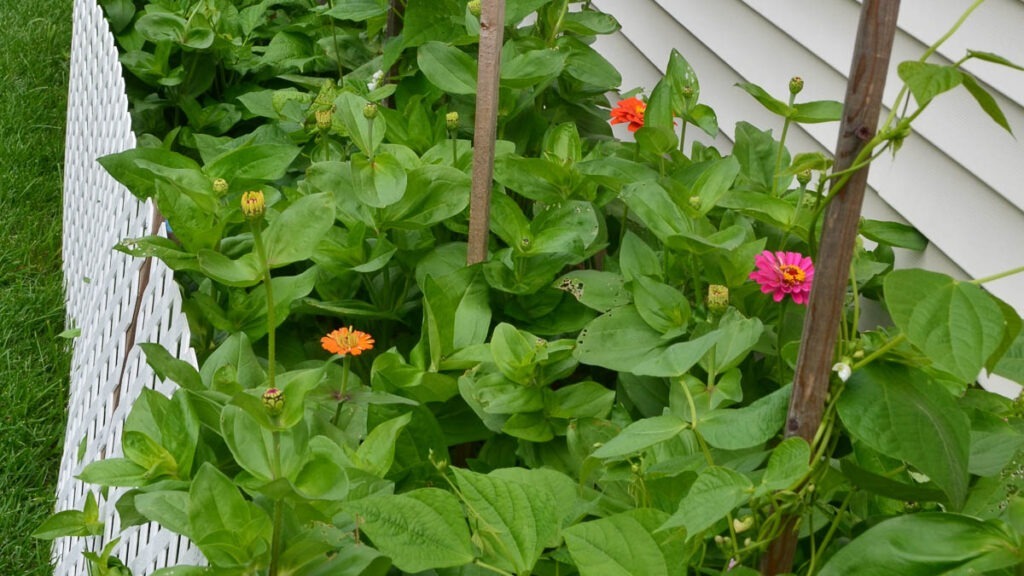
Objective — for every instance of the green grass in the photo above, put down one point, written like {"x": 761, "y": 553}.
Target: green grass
{"x": 34, "y": 362}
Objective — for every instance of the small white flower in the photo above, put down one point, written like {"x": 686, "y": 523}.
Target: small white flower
{"x": 843, "y": 370}
{"x": 375, "y": 80}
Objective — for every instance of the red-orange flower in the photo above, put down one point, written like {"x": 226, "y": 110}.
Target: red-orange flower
{"x": 630, "y": 110}
{"x": 347, "y": 341}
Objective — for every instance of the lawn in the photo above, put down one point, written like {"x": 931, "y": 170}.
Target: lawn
{"x": 34, "y": 361}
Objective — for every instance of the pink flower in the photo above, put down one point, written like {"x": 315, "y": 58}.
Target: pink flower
{"x": 781, "y": 273}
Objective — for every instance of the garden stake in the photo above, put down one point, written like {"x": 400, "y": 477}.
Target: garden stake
{"x": 861, "y": 110}
{"x": 492, "y": 29}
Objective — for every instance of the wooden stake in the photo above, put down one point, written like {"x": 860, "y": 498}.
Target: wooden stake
{"x": 492, "y": 30}
{"x": 861, "y": 110}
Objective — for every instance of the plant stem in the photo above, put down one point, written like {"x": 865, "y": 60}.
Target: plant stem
{"x": 885, "y": 348}
{"x": 998, "y": 276}
{"x": 782, "y": 147}
{"x": 345, "y": 368}
{"x": 275, "y": 544}
{"x": 831, "y": 531}
{"x": 261, "y": 252}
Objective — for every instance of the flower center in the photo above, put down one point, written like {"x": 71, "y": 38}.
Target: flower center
{"x": 350, "y": 340}
{"x": 792, "y": 274}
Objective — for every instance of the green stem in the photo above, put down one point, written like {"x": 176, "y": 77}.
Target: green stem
{"x": 994, "y": 277}
{"x": 682, "y": 139}
{"x": 346, "y": 366}
{"x": 275, "y": 545}
{"x": 334, "y": 35}
{"x": 261, "y": 252}
{"x": 931, "y": 50}
{"x": 885, "y": 348}
{"x": 778, "y": 155}
{"x": 831, "y": 531}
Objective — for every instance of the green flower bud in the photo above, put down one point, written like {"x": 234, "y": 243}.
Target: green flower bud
{"x": 803, "y": 177}
{"x": 370, "y": 111}
{"x": 796, "y": 84}
{"x": 273, "y": 401}
{"x": 452, "y": 121}
{"x": 718, "y": 298}
{"x": 220, "y": 185}
{"x": 324, "y": 118}
{"x": 695, "y": 202}
{"x": 253, "y": 204}
{"x": 474, "y": 8}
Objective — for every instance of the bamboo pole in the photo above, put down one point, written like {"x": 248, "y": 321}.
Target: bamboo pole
{"x": 861, "y": 110}
{"x": 492, "y": 30}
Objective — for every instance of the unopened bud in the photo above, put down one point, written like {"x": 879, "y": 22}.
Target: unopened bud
{"x": 687, "y": 91}
{"x": 796, "y": 84}
{"x": 370, "y": 111}
{"x": 324, "y": 118}
{"x": 803, "y": 177}
{"x": 220, "y": 185}
{"x": 273, "y": 401}
{"x": 253, "y": 204}
{"x": 695, "y": 202}
{"x": 452, "y": 121}
{"x": 474, "y": 8}
{"x": 741, "y": 526}
{"x": 719, "y": 540}
{"x": 718, "y": 298}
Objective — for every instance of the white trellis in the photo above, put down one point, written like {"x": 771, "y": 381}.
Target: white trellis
{"x": 109, "y": 295}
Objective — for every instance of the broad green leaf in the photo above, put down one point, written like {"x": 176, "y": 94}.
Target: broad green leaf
{"x": 377, "y": 452}
{"x": 513, "y": 521}
{"x": 124, "y": 167}
{"x": 715, "y": 493}
{"x": 440, "y": 193}
{"x": 457, "y": 312}
{"x": 168, "y": 507}
{"x": 986, "y": 101}
{"x": 678, "y": 358}
{"x": 994, "y": 443}
{"x": 738, "y": 337}
{"x": 437, "y": 20}
{"x": 214, "y": 504}
{"x": 663, "y": 307}
{"x": 585, "y": 399}
{"x": 683, "y": 80}
{"x": 757, "y": 152}
{"x": 535, "y": 178}
{"x": 926, "y": 81}
{"x": 168, "y": 367}
{"x": 789, "y": 462}
{"x": 529, "y": 68}
{"x": 901, "y": 413}
{"x": 114, "y": 472}
{"x": 516, "y": 10}
{"x": 641, "y": 435}
{"x": 350, "y": 108}
{"x": 588, "y": 65}
{"x": 294, "y": 234}
{"x": 357, "y": 10}
{"x": 253, "y": 162}
{"x": 925, "y": 544}
{"x": 659, "y": 115}
{"x": 637, "y": 258}
{"x": 956, "y": 324}
{"x": 514, "y": 353}
{"x": 144, "y": 451}
{"x": 993, "y": 58}
{"x": 618, "y": 340}
{"x": 753, "y": 425}
{"x": 652, "y": 205}
{"x": 447, "y": 67}
{"x": 595, "y": 289}
{"x": 380, "y": 182}
{"x": 170, "y": 252}
{"x": 655, "y": 140}
{"x": 893, "y": 234}
{"x": 1011, "y": 364}
{"x": 615, "y": 546}
{"x": 703, "y": 117}
{"x": 241, "y": 273}
{"x": 72, "y": 522}
{"x": 715, "y": 181}
{"x": 886, "y": 486}
{"x": 235, "y": 351}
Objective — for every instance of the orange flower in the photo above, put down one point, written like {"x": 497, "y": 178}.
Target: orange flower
{"x": 347, "y": 341}
{"x": 630, "y": 110}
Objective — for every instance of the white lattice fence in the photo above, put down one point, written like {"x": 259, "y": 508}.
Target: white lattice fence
{"x": 109, "y": 296}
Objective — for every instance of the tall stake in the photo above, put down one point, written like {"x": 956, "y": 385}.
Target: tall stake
{"x": 863, "y": 104}
{"x": 492, "y": 30}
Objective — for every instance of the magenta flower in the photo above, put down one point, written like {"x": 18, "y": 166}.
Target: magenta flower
{"x": 781, "y": 273}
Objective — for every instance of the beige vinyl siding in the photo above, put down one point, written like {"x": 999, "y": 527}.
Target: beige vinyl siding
{"x": 958, "y": 178}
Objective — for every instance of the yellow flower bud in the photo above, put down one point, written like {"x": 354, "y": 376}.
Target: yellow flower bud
{"x": 718, "y": 298}
{"x": 253, "y": 204}
{"x": 452, "y": 121}
{"x": 220, "y": 185}
{"x": 324, "y": 118}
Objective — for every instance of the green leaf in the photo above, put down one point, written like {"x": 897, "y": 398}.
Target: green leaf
{"x": 377, "y": 452}
{"x": 168, "y": 507}
{"x": 615, "y": 546}
{"x": 715, "y": 181}
{"x": 994, "y": 443}
{"x": 652, "y": 205}
{"x": 595, "y": 289}
{"x": 715, "y": 493}
{"x": 757, "y": 152}
{"x": 530, "y": 68}
{"x": 663, "y": 307}
{"x": 241, "y": 273}
{"x": 294, "y": 234}
{"x": 956, "y": 324}
{"x": 893, "y": 234}
{"x": 789, "y": 462}
{"x": 753, "y": 425}
{"x": 899, "y": 412}
{"x": 168, "y": 367}
{"x": 253, "y": 162}
{"x": 350, "y": 108}
{"x": 380, "y": 182}
{"x": 817, "y": 111}
{"x": 641, "y": 435}
{"x": 356, "y": 10}
{"x": 885, "y": 486}
{"x": 588, "y": 65}
{"x": 774, "y": 106}
{"x": 72, "y": 522}
{"x": 322, "y": 475}
{"x": 514, "y": 521}
{"x": 515, "y": 353}
{"x": 114, "y": 472}
{"x": 447, "y": 67}
{"x": 419, "y": 530}
{"x": 993, "y": 58}
{"x": 125, "y": 168}
{"x": 618, "y": 340}
{"x": 1011, "y": 364}
{"x": 926, "y": 81}
{"x": 924, "y": 544}
{"x": 637, "y": 258}
{"x": 586, "y": 399}
{"x": 442, "y": 192}
{"x": 986, "y": 101}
